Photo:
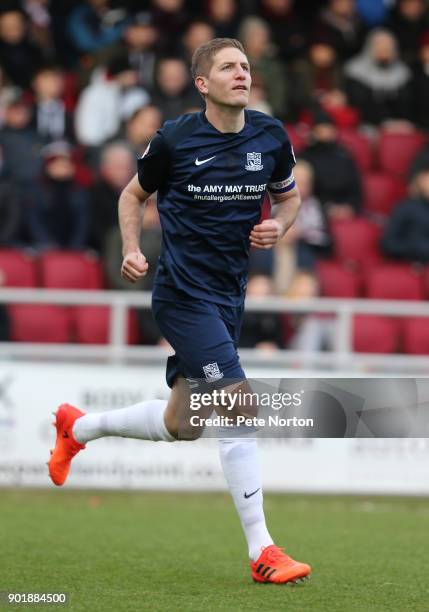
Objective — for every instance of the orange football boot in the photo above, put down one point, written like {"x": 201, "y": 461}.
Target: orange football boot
{"x": 66, "y": 447}
{"x": 273, "y": 565}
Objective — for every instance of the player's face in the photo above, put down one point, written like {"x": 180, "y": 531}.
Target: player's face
{"x": 229, "y": 79}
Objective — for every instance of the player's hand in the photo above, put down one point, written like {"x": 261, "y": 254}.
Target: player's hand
{"x": 266, "y": 234}
{"x": 134, "y": 266}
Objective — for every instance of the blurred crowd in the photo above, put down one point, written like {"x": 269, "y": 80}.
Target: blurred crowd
{"x": 84, "y": 85}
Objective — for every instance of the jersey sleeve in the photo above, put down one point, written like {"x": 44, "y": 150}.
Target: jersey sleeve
{"x": 154, "y": 165}
{"x": 282, "y": 178}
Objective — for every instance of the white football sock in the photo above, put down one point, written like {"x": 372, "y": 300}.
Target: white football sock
{"x": 144, "y": 421}
{"x": 239, "y": 458}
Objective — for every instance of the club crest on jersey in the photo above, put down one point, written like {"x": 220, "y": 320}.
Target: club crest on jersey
{"x": 254, "y": 162}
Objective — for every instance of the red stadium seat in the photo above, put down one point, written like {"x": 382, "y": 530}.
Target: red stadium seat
{"x": 17, "y": 269}
{"x": 39, "y": 323}
{"x": 356, "y": 240}
{"x": 265, "y": 209}
{"x": 416, "y": 335}
{"x": 375, "y": 334}
{"x": 337, "y": 281}
{"x": 359, "y": 146}
{"x": 298, "y": 135}
{"x": 70, "y": 270}
{"x": 426, "y": 281}
{"x": 382, "y": 192}
{"x": 92, "y": 325}
{"x": 396, "y": 151}
{"x": 393, "y": 281}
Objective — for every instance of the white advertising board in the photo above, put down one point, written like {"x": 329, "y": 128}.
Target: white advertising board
{"x": 30, "y": 391}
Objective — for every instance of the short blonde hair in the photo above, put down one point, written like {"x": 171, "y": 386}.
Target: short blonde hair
{"x": 202, "y": 60}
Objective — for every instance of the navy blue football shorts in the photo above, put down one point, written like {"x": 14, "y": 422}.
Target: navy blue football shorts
{"x": 203, "y": 334}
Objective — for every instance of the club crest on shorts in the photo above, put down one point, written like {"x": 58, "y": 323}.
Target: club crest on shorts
{"x": 254, "y": 162}
{"x": 212, "y": 372}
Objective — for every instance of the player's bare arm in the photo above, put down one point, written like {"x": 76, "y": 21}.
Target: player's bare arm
{"x": 131, "y": 206}
{"x": 286, "y": 205}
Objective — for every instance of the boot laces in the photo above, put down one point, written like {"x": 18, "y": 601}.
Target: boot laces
{"x": 275, "y": 553}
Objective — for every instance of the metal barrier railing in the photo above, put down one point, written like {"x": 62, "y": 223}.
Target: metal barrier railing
{"x": 120, "y": 301}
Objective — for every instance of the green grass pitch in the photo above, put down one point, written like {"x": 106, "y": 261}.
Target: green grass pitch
{"x": 126, "y": 551}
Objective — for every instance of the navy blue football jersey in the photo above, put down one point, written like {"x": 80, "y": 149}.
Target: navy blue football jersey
{"x": 211, "y": 186}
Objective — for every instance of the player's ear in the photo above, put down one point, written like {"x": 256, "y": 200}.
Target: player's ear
{"x": 201, "y": 85}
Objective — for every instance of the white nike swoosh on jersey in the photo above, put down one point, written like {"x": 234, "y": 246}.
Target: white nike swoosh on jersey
{"x": 198, "y": 162}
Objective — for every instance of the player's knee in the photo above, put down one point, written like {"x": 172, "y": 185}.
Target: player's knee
{"x": 182, "y": 429}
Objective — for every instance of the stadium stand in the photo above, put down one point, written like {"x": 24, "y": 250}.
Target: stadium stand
{"x": 375, "y": 334}
{"x": 392, "y": 281}
{"x": 91, "y": 325}
{"x": 70, "y": 270}
{"x": 382, "y": 192}
{"x": 17, "y": 269}
{"x": 356, "y": 241}
{"x": 360, "y": 147}
{"x": 36, "y": 114}
{"x": 337, "y": 280}
{"x": 415, "y": 332}
{"x": 396, "y": 151}
{"x": 40, "y": 323}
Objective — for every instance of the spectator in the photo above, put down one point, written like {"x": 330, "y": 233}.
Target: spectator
{"x": 19, "y": 57}
{"x": 21, "y": 143}
{"x": 315, "y": 77}
{"x": 255, "y": 36}
{"x": 372, "y": 12}
{"x": 51, "y": 119}
{"x": 40, "y": 24}
{"x": 58, "y": 215}
{"x": 337, "y": 180}
{"x": 421, "y": 84}
{"x": 117, "y": 166}
{"x": 150, "y": 240}
{"x": 141, "y": 128}
{"x": 287, "y": 28}
{"x": 140, "y": 38}
{"x": 198, "y": 33}
{"x": 94, "y": 25}
{"x": 339, "y": 22}
{"x": 310, "y": 227}
{"x": 258, "y": 97}
{"x": 408, "y": 21}
{"x": 406, "y": 235}
{"x": 312, "y": 332}
{"x": 137, "y": 46}
{"x": 378, "y": 82}
{"x": 174, "y": 93}
{"x": 224, "y": 17}
{"x": 261, "y": 330}
{"x": 306, "y": 239}
{"x": 335, "y": 103}
{"x": 10, "y": 209}
{"x": 171, "y": 19}
{"x": 110, "y": 98}
{"x": 420, "y": 162}
{"x": 65, "y": 52}
{"x": 7, "y": 91}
